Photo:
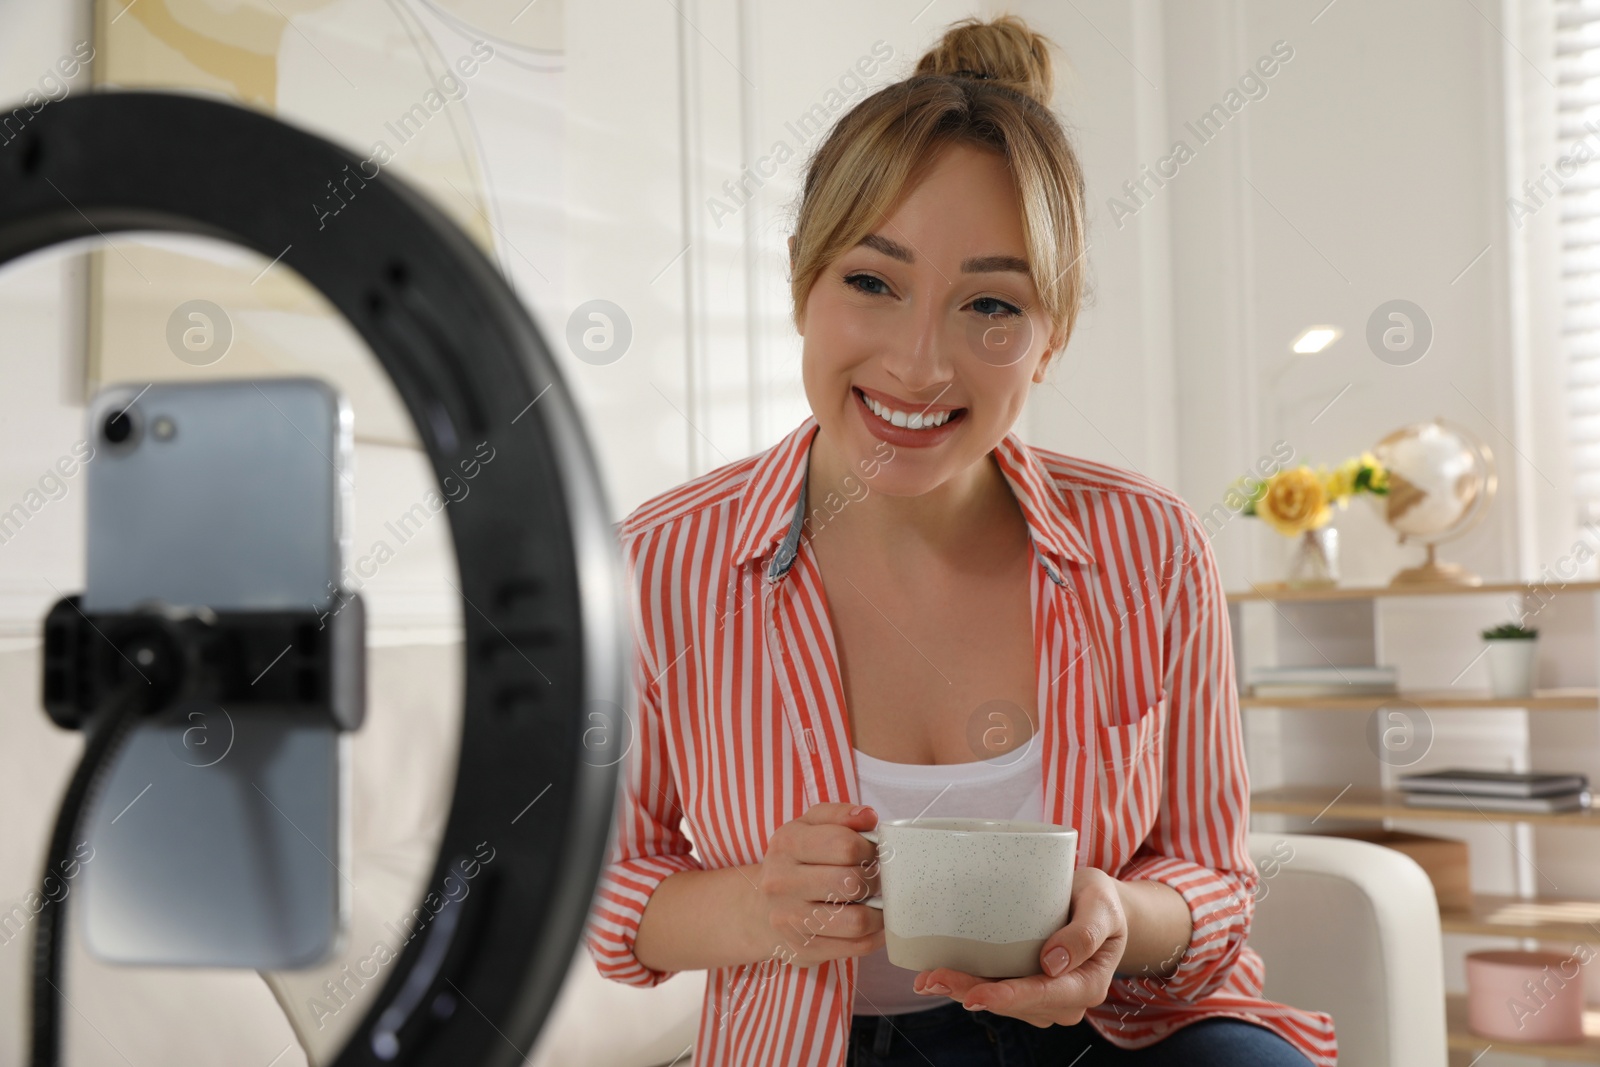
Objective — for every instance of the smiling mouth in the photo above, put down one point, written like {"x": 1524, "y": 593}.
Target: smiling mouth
{"x": 954, "y": 416}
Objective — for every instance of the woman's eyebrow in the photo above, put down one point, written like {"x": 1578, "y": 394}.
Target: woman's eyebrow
{"x": 976, "y": 265}
{"x": 984, "y": 264}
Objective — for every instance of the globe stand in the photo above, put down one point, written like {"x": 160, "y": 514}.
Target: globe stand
{"x": 1432, "y": 572}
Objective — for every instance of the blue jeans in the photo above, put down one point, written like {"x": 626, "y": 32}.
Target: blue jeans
{"x": 951, "y": 1036}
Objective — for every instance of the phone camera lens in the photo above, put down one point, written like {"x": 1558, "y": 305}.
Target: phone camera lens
{"x": 118, "y": 426}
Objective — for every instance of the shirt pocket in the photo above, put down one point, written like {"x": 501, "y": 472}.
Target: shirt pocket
{"x": 1130, "y": 760}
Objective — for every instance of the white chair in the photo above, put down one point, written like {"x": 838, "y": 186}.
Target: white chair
{"x": 1352, "y": 929}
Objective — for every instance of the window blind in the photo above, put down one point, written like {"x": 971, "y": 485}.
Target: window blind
{"x": 1577, "y": 44}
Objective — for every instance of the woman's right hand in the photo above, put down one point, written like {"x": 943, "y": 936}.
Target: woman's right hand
{"x": 815, "y": 866}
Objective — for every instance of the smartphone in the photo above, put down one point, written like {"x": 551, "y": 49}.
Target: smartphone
{"x": 220, "y": 836}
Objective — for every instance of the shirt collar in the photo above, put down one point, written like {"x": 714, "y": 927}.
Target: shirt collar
{"x": 773, "y": 505}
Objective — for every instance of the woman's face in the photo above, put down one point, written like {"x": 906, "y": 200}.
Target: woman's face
{"x": 933, "y": 311}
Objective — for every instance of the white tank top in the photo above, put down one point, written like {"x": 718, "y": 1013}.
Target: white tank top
{"x": 1009, "y": 786}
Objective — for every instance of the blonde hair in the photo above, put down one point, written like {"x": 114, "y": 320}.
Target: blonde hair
{"x": 987, "y": 84}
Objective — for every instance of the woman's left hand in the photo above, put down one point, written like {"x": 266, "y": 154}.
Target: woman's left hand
{"x": 1093, "y": 942}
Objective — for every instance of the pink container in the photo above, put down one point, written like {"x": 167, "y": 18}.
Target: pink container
{"x": 1525, "y": 996}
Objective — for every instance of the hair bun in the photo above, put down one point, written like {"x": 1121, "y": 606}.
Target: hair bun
{"x": 1004, "y": 51}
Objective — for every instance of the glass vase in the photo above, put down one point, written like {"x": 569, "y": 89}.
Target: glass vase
{"x": 1314, "y": 564}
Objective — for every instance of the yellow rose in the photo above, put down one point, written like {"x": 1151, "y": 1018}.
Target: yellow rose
{"x": 1342, "y": 481}
{"x": 1295, "y": 502}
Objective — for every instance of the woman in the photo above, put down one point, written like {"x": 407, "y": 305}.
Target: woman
{"x": 901, "y": 604}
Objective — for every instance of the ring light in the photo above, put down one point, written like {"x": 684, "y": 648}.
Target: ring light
{"x": 539, "y": 573}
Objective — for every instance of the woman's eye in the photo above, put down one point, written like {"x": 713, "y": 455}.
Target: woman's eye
{"x": 851, "y": 279}
{"x": 990, "y": 307}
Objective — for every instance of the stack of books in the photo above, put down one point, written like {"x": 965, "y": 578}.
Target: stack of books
{"x": 1514, "y": 791}
{"x": 1323, "y": 681}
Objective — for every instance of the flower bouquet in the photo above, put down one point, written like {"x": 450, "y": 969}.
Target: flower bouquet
{"x": 1298, "y": 502}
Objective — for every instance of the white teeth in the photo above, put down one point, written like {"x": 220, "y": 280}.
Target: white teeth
{"x": 916, "y": 421}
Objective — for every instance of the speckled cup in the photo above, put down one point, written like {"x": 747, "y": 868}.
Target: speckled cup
{"x": 978, "y": 895}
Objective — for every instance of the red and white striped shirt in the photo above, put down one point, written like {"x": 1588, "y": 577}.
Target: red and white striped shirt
{"x": 741, "y": 726}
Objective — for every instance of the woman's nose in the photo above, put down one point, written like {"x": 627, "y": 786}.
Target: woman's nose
{"x": 926, "y": 357}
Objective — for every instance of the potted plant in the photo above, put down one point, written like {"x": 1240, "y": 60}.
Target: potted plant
{"x": 1513, "y": 650}
{"x": 1297, "y": 502}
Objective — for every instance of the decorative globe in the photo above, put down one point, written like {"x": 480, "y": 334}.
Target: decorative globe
{"x": 1441, "y": 481}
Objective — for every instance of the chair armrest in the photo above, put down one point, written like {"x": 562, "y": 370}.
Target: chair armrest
{"x": 1352, "y": 928}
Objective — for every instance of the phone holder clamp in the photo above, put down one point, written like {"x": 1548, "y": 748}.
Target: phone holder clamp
{"x": 311, "y": 661}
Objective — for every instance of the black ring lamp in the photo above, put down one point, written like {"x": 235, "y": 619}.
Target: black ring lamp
{"x": 540, "y": 576}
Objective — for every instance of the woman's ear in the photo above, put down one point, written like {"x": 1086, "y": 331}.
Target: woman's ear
{"x": 791, "y": 252}
{"x": 1044, "y": 357}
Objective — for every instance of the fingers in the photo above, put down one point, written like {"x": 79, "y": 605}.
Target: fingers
{"x": 1096, "y": 916}
{"x": 1016, "y": 997}
{"x": 808, "y": 951}
{"x": 820, "y": 899}
{"x": 831, "y": 844}
{"x": 808, "y": 884}
{"x": 859, "y": 884}
{"x": 837, "y": 919}
{"x": 1072, "y": 944}
{"x": 822, "y": 867}
{"x": 1091, "y": 944}
{"x": 816, "y": 873}
{"x": 962, "y": 985}
{"x": 839, "y": 812}
{"x": 954, "y": 983}
{"x": 1031, "y": 997}
{"x": 829, "y": 834}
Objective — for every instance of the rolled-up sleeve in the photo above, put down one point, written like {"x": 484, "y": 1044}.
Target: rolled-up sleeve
{"x": 1198, "y": 844}
{"x": 647, "y": 842}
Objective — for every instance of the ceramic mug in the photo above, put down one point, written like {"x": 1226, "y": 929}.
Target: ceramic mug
{"x": 978, "y": 895}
